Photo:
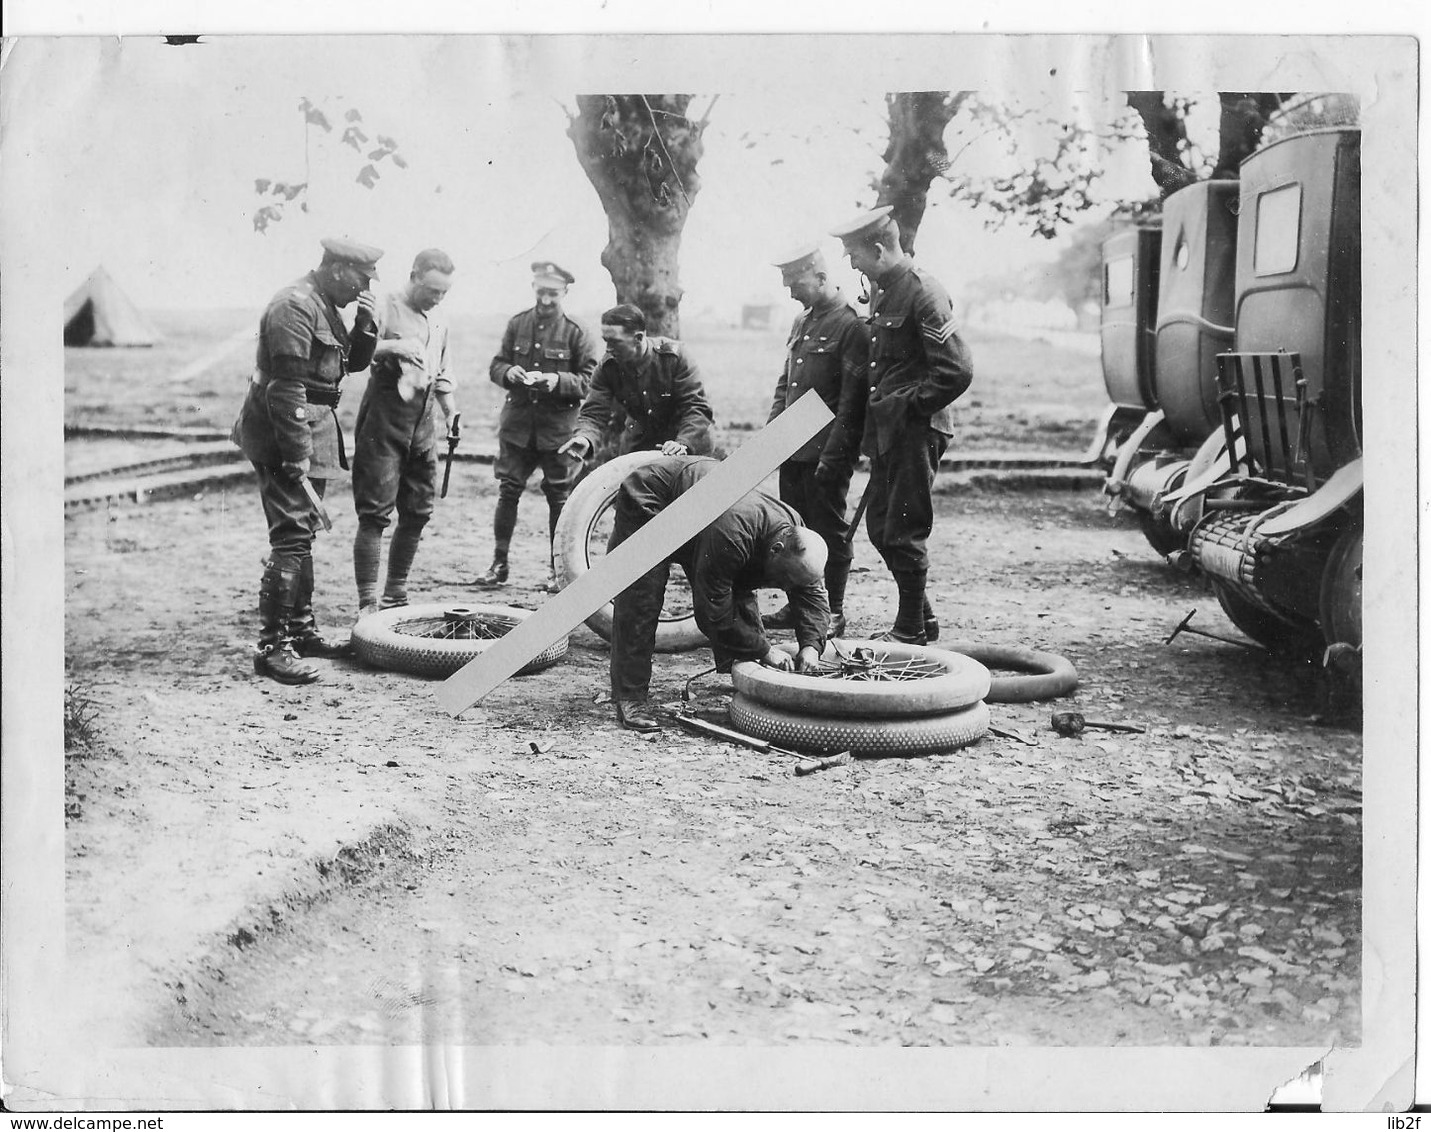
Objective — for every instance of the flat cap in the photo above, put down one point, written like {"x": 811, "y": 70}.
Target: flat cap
{"x": 362, "y": 256}
{"x": 799, "y": 258}
{"x": 864, "y": 225}
{"x": 545, "y": 271}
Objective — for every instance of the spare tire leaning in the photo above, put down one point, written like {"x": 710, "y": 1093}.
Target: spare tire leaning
{"x": 1044, "y": 675}
{"x": 918, "y": 735}
{"x": 584, "y": 511}
{"x": 954, "y": 682}
{"x": 437, "y": 640}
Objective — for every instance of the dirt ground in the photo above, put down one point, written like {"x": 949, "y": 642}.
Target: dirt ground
{"x": 343, "y": 863}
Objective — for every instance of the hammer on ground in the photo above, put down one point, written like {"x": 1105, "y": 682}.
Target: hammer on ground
{"x": 1071, "y": 723}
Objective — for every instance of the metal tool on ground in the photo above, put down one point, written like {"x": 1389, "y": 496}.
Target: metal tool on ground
{"x": 686, "y": 693}
{"x": 1002, "y": 734}
{"x": 317, "y": 503}
{"x": 454, "y": 434}
{"x": 1071, "y": 723}
{"x": 807, "y": 764}
{"x": 1185, "y": 626}
{"x": 810, "y": 766}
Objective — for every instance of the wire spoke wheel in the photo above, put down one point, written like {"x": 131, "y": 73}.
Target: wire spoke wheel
{"x": 437, "y": 640}
{"x": 870, "y": 680}
{"x": 865, "y": 663}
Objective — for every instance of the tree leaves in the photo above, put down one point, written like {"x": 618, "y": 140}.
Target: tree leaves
{"x": 353, "y": 137}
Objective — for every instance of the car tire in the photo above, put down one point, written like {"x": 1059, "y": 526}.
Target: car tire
{"x": 393, "y": 639}
{"x": 586, "y": 507}
{"x": 961, "y": 682}
{"x": 803, "y": 731}
{"x": 1042, "y": 675}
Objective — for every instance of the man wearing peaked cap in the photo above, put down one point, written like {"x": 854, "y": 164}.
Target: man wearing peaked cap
{"x": 288, "y": 427}
{"x": 364, "y": 257}
{"x": 545, "y": 364}
{"x": 865, "y": 225}
{"x": 826, "y": 352}
{"x": 918, "y": 365}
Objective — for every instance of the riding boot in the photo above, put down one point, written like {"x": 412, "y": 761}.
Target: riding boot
{"x": 401, "y": 551}
{"x": 503, "y": 525}
{"x": 275, "y": 657}
{"x": 302, "y": 626}
{"x": 367, "y": 552}
{"x": 909, "y": 621}
{"x": 931, "y": 623}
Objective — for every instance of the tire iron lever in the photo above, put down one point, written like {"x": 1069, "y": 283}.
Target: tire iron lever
{"x": 1185, "y": 626}
{"x": 807, "y": 765}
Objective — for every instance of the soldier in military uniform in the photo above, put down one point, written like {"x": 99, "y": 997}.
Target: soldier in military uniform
{"x": 545, "y": 365}
{"x": 288, "y": 428}
{"x": 654, "y": 380}
{"x": 918, "y": 366}
{"x": 759, "y": 542}
{"x": 395, "y": 439}
{"x": 828, "y": 352}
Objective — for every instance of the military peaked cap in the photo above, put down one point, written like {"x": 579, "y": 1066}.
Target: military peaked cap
{"x": 362, "y": 256}
{"x": 800, "y": 258}
{"x": 546, "y": 271}
{"x": 865, "y": 225}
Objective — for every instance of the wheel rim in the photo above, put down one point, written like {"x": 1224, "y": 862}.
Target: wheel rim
{"x": 679, "y": 605}
{"x": 871, "y": 664}
{"x": 458, "y": 624}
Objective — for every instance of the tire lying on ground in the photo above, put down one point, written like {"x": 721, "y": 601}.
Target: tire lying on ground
{"x": 915, "y": 735}
{"x": 584, "y": 510}
{"x": 1043, "y": 675}
{"x": 437, "y": 640}
{"x": 936, "y": 681}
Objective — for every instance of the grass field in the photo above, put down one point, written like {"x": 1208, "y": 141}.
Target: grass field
{"x": 1029, "y": 394}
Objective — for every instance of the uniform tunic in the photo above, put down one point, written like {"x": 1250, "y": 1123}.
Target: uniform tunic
{"x": 536, "y": 422}
{"x": 828, "y": 352}
{"x": 395, "y": 450}
{"x": 288, "y": 415}
{"x": 918, "y": 366}
{"x": 725, "y": 565}
{"x": 662, "y": 395}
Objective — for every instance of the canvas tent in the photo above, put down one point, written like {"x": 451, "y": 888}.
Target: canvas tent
{"x": 100, "y": 314}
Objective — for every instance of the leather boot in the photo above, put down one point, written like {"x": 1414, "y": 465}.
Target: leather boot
{"x": 635, "y": 715}
{"x": 909, "y": 622}
{"x": 496, "y": 574}
{"x": 303, "y": 628}
{"x": 780, "y": 619}
{"x": 275, "y": 657}
{"x": 401, "y": 551}
{"x": 931, "y": 624}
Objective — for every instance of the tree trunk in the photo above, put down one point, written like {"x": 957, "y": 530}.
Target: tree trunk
{"x": 915, "y": 154}
{"x": 1244, "y": 116}
{"x": 1167, "y": 140}
{"x": 640, "y": 154}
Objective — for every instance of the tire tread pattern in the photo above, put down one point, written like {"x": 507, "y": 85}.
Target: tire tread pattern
{"x": 378, "y": 641}
{"x": 924, "y": 735}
